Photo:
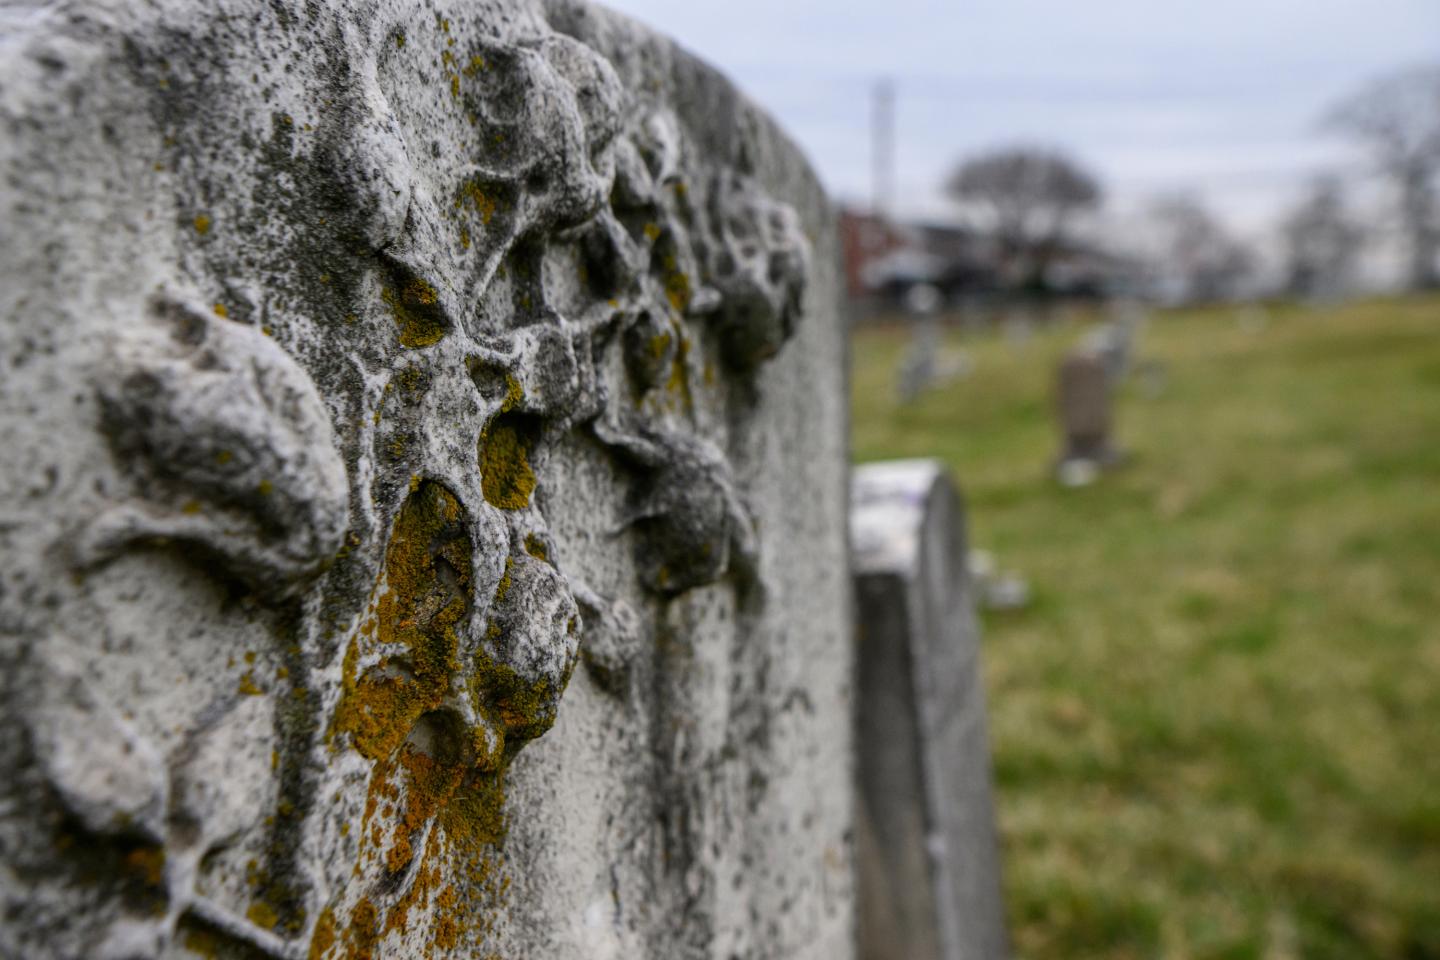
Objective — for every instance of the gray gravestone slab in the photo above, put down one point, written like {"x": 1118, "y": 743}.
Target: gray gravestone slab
{"x": 928, "y": 860}
{"x": 1083, "y": 407}
{"x": 423, "y": 497}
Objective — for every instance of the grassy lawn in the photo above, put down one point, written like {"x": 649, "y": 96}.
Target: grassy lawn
{"x": 1217, "y": 726}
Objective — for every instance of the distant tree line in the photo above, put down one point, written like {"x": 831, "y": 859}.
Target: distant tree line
{"x": 1027, "y": 200}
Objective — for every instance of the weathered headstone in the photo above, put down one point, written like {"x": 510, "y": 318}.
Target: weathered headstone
{"x": 927, "y": 856}
{"x": 423, "y": 496}
{"x": 1114, "y": 340}
{"x": 1083, "y": 407}
{"x": 917, "y": 365}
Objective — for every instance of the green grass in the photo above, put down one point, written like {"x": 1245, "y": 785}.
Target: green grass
{"x": 1217, "y": 727}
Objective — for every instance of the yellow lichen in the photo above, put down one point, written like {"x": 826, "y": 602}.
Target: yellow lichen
{"x": 148, "y": 863}
{"x": 427, "y": 575}
{"x": 525, "y": 708}
{"x": 483, "y": 204}
{"x": 202, "y": 224}
{"x": 324, "y": 936}
{"x": 677, "y": 285}
{"x": 202, "y": 943}
{"x": 413, "y": 308}
{"x": 262, "y": 915}
{"x": 435, "y": 807}
{"x": 506, "y": 479}
{"x": 363, "y": 932}
{"x": 679, "y": 380}
{"x": 221, "y": 311}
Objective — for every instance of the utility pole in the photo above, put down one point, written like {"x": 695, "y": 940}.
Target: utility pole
{"x": 882, "y": 137}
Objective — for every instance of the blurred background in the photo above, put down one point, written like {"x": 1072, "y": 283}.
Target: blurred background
{"x": 1161, "y": 283}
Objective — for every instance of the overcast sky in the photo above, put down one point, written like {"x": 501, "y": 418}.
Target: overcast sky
{"x": 1218, "y": 97}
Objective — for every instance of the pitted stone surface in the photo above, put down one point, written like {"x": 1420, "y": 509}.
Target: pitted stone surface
{"x": 369, "y": 367}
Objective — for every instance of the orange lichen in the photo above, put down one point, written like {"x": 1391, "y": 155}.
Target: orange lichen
{"x": 478, "y": 199}
{"x": 363, "y": 932}
{"x": 324, "y": 936}
{"x": 148, "y": 863}
{"x": 434, "y": 813}
{"x": 427, "y": 574}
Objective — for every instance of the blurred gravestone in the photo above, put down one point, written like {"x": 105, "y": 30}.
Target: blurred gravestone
{"x": 1114, "y": 341}
{"x": 917, "y": 367}
{"x": 918, "y": 364}
{"x": 1083, "y": 406}
{"x": 929, "y": 880}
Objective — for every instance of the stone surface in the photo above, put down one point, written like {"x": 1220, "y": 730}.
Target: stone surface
{"x": 927, "y": 857}
{"x": 1083, "y": 408}
{"x": 422, "y": 501}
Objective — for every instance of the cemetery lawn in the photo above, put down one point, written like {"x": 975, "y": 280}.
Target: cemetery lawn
{"x": 1217, "y": 726}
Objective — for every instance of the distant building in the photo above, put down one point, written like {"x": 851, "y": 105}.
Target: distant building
{"x": 885, "y": 260}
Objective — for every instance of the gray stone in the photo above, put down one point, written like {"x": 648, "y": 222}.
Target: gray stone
{"x": 1083, "y": 402}
{"x": 927, "y": 858}
{"x": 369, "y": 368}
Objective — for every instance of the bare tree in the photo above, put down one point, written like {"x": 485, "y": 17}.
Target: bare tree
{"x": 1321, "y": 241}
{"x": 1194, "y": 258}
{"x": 1397, "y": 117}
{"x": 1024, "y": 197}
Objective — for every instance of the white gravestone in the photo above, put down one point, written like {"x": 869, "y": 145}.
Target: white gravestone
{"x": 928, "y": 859}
